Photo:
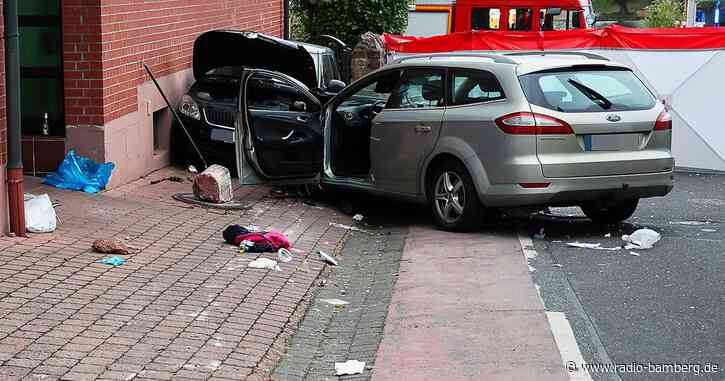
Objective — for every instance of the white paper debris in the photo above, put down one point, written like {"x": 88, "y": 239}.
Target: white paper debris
{"x": 264, "y": 263}
{"x": 594, "y": 246}
{"x": 642, "y": 239}
{"x": 326, "y": 258}
{"x": 634, "y": 253}
{"x": 690, "y": 223}
{"x": 608, "y": 235}
{"x": 349, "y": 367}
{"x": 335, "y": 302}
{"x": 348, "y": 227}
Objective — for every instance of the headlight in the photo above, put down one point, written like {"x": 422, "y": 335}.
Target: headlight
{"x": 188, "y": 107}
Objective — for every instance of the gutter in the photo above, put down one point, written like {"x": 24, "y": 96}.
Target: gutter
{"x": 16, "y": 204}
{"x": 285, "y": 19}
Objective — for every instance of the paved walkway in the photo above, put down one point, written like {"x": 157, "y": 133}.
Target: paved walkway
{"x": 185, "y": 307}
{"x": 465, "y": 308}
{"x": 365, "y": 278}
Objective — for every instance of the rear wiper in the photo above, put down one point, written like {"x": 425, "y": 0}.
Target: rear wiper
{"x": 592, "y": 94}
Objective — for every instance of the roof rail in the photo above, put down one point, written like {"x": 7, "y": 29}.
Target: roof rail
{"x": 495, "y": 57}
{"x": 553, "y": 53}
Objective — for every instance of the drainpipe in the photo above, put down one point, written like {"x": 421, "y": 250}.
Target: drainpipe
{"x": 12, "y": 87}
{"x": 285, "y": 18}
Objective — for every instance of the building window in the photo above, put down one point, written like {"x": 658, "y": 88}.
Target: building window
{"x": 485, "y": 18}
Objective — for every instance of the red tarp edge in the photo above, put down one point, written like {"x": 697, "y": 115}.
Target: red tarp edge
{"x": 612, "y": 37}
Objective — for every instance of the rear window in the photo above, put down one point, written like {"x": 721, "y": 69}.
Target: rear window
{"x": 587, "y": 90}
{"x": 485, "y": 18}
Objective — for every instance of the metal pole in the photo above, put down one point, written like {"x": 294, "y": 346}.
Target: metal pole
{"x": 12, "y": 83}
{"x": 717, "y": 12}
{"x": 285, "y": 21}
{"x": 691, "y": 13}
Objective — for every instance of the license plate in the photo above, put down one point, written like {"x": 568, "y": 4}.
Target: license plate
{"x": 612, "y": 142}
{"x": 222, "y": 135}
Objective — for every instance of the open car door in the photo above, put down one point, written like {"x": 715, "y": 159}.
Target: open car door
{"x": 278, "y": 133}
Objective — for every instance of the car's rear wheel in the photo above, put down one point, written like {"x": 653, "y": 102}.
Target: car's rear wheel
{"x": 611, "y": 212}
{"x": 453, "y": 199}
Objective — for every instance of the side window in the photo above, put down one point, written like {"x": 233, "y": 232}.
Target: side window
{"x": 419, "y": 88}
{"x": 567, "y": 19}
{"x": 520, "y": 19}
{"x": 329, "y": 69}
{"x": 265, "y": 92}
{"x": 377, "y": 91}
{"x": 485, "y": 18}
{"x": 475, "y": 86}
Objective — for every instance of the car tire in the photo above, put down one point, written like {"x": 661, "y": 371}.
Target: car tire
{"x": 613, "y": 213}
{"x": 454, "y": 201}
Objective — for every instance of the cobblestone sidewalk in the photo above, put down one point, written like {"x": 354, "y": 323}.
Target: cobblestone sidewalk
{"x": 365, "y": 278}
{"x": 185, "y": 307}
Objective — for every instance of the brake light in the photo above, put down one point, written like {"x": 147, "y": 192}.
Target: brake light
{"x": 664, "y": 121}
{"x": 528, "y": 123}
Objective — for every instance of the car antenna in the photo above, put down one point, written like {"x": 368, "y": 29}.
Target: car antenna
{"x": 173, "y": 111}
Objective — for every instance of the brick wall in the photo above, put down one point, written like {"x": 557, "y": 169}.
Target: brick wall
{"x": 160, "y": 33}
{"x": 3, "y": 125}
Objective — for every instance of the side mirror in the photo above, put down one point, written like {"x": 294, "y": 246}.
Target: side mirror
{"x": 335, "y": 86}
{"x": 553, "y": 11}
{"x": 299, "y": 106}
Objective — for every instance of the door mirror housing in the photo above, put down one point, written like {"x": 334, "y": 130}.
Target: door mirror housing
{"x": 299, "y": 106}
{"x": 335, "y": 86}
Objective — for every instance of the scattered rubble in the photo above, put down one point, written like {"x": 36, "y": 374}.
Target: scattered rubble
{"x": 264, "y": 263}
{"x": 326, "y": 258}
{"x": 349, "y": 367}
{"x": 214, "y": 185}
{"x": 641, "y": 239}
{"x": 109, "y": 246}
{"x": 335, "y": 302}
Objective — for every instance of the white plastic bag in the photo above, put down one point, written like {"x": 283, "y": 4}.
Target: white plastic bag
{"x": 641, "y": 239}
{"x": 39, "y": 214}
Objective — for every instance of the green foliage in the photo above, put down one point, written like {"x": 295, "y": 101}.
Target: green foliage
{"x": 347, "y": 19}
{"x": 665, "y": 14}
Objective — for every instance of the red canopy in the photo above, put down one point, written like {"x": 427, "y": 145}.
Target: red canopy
{"x": 522, "y": 3}
{"x": 613, "y": 37}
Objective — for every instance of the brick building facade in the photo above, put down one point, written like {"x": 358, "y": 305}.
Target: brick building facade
{"x": 110, "y": 110}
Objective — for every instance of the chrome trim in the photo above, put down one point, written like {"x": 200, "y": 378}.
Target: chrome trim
{"x": 203, "y": 111}
{"x": 503, "y": 100}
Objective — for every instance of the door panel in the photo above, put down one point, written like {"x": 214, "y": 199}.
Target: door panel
{"x": 405, "y": 132}
{"x": 278, "y": 134}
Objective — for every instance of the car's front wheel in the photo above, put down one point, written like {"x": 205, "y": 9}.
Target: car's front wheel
{"x": 453, "y": 199}
{"x": 612, "y": 212}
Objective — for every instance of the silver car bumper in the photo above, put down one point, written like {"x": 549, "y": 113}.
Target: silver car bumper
{"x": 576, "y": 190}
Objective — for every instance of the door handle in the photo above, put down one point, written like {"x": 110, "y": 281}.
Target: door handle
{"x": 422, "y": 129}
{"x": 374, "y": 139}
{"x": 302, "y": 119}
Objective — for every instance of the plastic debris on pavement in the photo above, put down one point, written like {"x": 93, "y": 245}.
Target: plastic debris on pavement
{"x": 113, "y": 261}
{"x": 641, "y": 239}
{"x": 326, "y": 258}
{"x": 40, "y": 215}
{"x": 193, "y": 169}
{"x": 80, "y": 173}
{"x": 358, "y": 218}
{"x": 608, "y": 235}
{"x": 264, "y": 263}
{"x": 558, "y": 265}
{"x": 348, "y": 227}
{"x": 349, "y": 367}
{"x": 284, "y": 255}
{"x": 634, "y": 253}
{"x": 708, "y": 230}
{"x": 335, "y": 302}
{"x": 593, "y": 246}
{"x": 245, "y": 245}
{"x": 691, "y": 223}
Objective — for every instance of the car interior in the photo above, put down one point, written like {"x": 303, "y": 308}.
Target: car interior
{"x": 352, "y": 122}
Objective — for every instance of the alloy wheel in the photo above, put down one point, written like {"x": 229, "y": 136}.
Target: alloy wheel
{"x": 450, "y": 197}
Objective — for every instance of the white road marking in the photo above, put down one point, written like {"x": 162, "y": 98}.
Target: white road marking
{"x": 560, "y": 328}
{"x": 568, "y": 348}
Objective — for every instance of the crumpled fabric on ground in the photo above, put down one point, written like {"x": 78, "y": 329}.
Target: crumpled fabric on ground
{"x": 264, "y": 242}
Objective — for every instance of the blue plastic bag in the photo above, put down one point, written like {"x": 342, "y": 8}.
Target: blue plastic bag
{"x": 113, "y": 261}
{"x": 80, "y": 173}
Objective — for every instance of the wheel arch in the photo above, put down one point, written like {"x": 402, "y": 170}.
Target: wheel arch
{"x": 453, "y": 148}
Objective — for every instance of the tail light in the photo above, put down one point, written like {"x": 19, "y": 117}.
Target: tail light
{"x": 664, "y": 121}
{"x": 528, "y": 123}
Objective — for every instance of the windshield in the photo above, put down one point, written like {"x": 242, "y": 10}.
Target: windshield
{"x": 588, "y": 90}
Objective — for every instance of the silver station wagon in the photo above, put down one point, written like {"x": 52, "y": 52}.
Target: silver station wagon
{"x": 466, "y": 133}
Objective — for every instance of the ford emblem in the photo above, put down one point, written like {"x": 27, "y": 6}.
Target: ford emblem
{"x": 614, "y": 118}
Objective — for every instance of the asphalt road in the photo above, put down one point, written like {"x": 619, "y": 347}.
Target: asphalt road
{"x": 662, "y": 307}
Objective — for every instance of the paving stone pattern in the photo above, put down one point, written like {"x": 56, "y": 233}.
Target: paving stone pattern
{"x": 186, "y": 307}
{"x": 365, "y": 278}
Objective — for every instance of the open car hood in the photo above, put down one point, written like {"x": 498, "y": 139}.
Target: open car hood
{"x": 220, "y": 48}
